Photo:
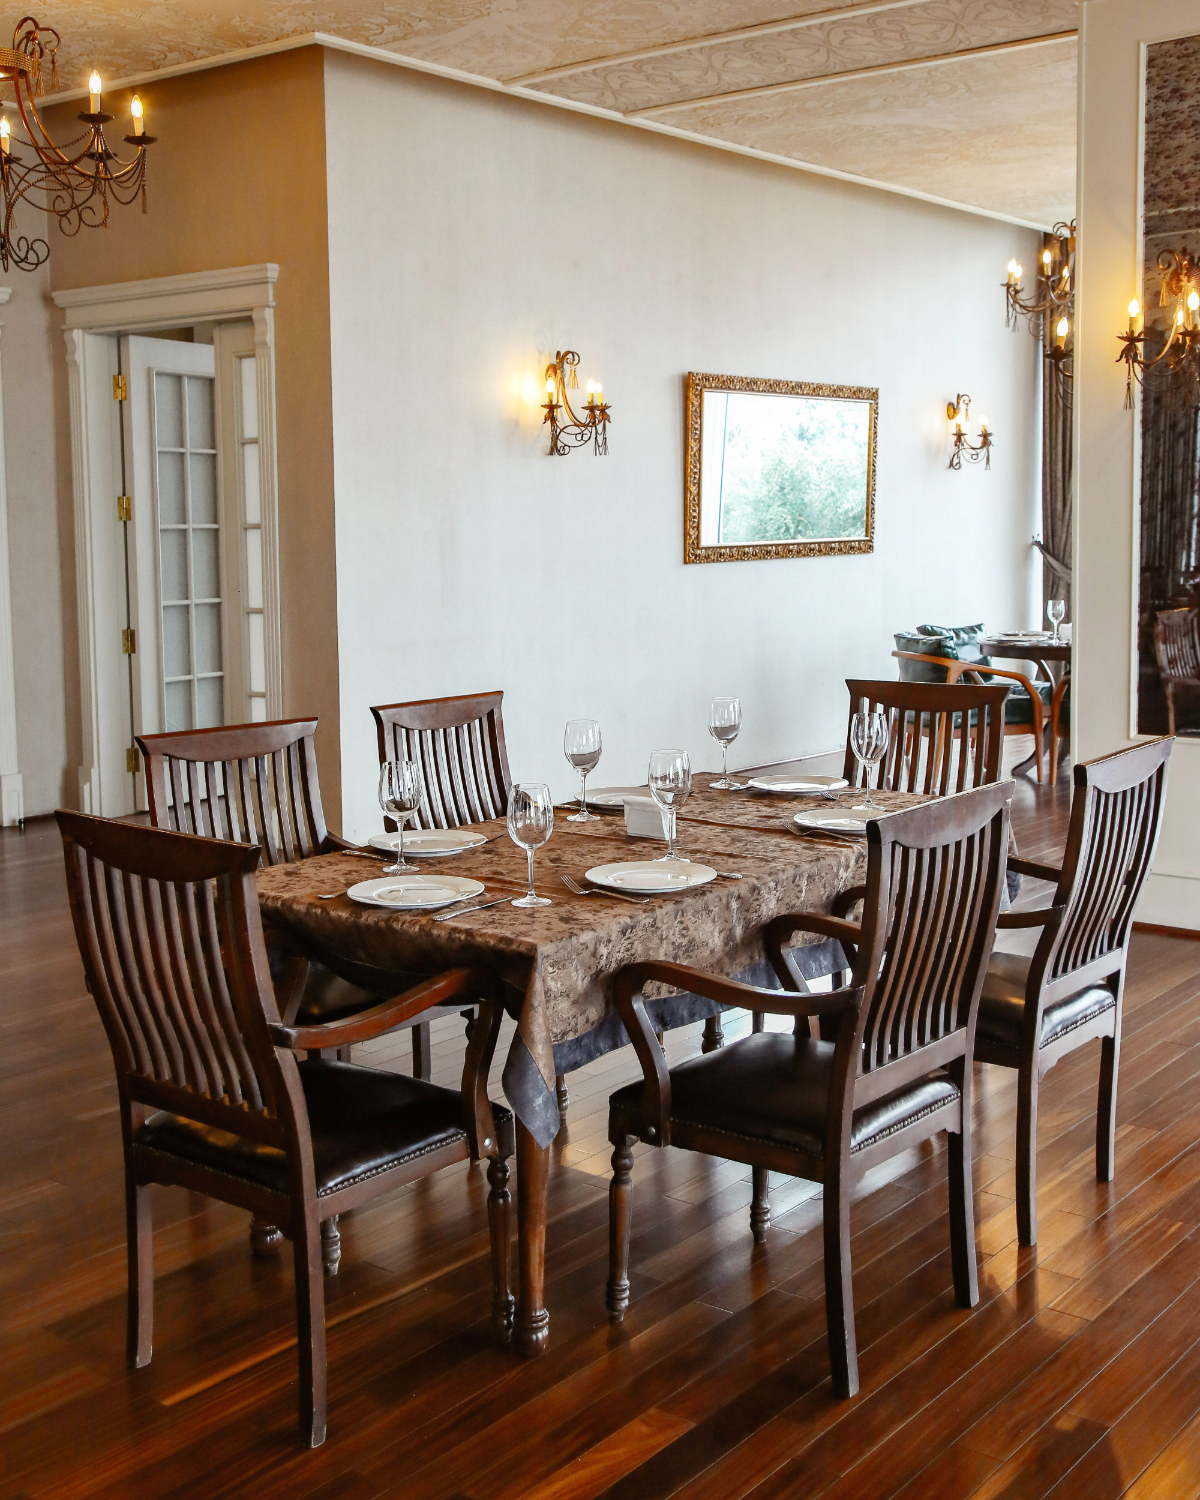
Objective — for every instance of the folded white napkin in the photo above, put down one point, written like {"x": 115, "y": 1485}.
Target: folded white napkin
{"x": 644, "y": 819}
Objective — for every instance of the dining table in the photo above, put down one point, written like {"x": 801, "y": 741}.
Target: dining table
{"x": 1054, "y": 658}
{"x": 557, "y": 963}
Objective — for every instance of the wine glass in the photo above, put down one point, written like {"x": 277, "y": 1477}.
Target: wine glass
{"x": 724, "y": 721}
{"x": 1055, "y": 610}
{"x": 670, "y": 782}
{"x": 582, "y": 746}
{"x": 530, "y": 824}
{"x": 868, "y": 740}
{"x": 399, "y": 796}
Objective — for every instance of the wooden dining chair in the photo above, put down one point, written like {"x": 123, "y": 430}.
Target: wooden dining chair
{"x": 942, "y": 738}
{"x": 1177, "y": 652}
{"x": 459, "y": 745}
{"x": 1037, "y": 1009}
{"x": 893, "y": 1066}
{"x": 212, "y": 1097}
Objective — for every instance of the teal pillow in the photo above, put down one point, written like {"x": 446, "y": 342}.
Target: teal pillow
{"x": 923, "y": 644}
{"x": 962, "y": 641}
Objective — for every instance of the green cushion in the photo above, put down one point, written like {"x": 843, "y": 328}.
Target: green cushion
{"x": 962, "y": 641}
{"x": 922, "y": 645}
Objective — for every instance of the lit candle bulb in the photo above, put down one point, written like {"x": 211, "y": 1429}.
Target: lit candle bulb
{"x": 94, "y": 92}
{"x": 1014, "y": 271}
{"x": 591, "y": 390}
{"x": 599, "y": 392}
{"x": 1017, "y": 271}
{"x": 4, "y": 134}
{"x": 1046, "y": 259}
{"x": 1135, "y": 307}
{"x": 983, "y": 425}
{"x": 550, "y": 386}
{"x": 1061, "y": 332}
{"x": 135, "y": 109}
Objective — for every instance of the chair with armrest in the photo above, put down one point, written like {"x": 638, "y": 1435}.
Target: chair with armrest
{"x": 212, "y": 1097}
{"x": 1037, "y": 1009}
{"x": 1177, "y": 652}
{"x": 893, "y": 1068}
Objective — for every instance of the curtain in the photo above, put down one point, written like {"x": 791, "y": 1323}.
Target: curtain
{"x": 1056, "y": 472}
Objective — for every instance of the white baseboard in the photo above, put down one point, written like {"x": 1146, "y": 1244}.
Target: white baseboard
{"x": 1170, "y": 901}
{"x": 12, "y": 800}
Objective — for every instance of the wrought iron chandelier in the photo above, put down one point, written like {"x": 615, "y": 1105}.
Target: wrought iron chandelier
{"x": 74, "y": 181}
{"x": 958, "y": 411}
{"x": 1179, "y": 357}
{"x": 591, "y": 426}
{"x": 1050, "y": 307}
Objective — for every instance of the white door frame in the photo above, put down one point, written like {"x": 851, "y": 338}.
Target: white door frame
{"x": 12, "y": 795}
{"x": 141, "y": 307}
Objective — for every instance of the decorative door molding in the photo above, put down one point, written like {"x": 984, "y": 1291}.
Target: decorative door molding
{"x": 141, "y": 307}
{"x": 12, "y": 791}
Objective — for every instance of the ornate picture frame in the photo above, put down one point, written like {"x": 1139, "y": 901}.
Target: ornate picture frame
{"x": 699, "y": 550}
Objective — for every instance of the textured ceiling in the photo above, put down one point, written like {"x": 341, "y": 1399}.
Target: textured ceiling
{"x": 972, "y": 100}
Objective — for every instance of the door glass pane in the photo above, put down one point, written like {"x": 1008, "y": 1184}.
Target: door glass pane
{"x": 168, "y": 410}
{"x": 177, "y": 644}
{"x": 258, "y": 657}
{"x": 258, "y": 710}
{"x": 206, "y": 575}
{"x": 248, "y": 378}
{"x": 173, "y": 549}
{"x": 252, "y": 506}
{"x": 179, "y": 705}
{"x": 203, "y": 472}
{"x": 208, "y": 637}
{"x": 200, "y": 413}
{"x": 254, "y": 589}
{"x": 172, "y": 508}
{"x": 209, "y": 705}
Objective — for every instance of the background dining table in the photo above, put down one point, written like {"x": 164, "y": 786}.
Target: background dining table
{"x": 558, "y": 962}
{"x": 1055, "y": 658}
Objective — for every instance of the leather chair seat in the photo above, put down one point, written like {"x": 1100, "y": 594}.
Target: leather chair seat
{"x": 1002, "y": 1006}
{"x": 363, "y": 1122}
{"x": 775, "y": 1087}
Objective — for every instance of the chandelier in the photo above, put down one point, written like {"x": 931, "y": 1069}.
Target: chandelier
{"x": 577, "y": 431}
{"x": 1179, "y": 357}
{"x": 1050, "y": 306}
{"x": 74, "y": 181}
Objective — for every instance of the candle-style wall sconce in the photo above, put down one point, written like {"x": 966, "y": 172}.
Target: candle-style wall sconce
{"x": 576, "y": 431}
{"x": 958, "y": 411}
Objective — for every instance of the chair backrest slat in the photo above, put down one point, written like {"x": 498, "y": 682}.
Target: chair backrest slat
{"x": 458, "y": 744}
{"x": 943, "y": 738}
{"x": 246, "y": 783}
{"x": 1177, "y": 644}
{"x": 934, "y": 878}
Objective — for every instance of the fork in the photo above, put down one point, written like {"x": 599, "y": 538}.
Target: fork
{"x": 578, "y": 890}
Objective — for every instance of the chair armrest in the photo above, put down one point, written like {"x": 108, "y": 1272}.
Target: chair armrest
{"x": 1042, "y": 916}
{"x": 1034, "y": 869}
{"x": 784, "y": 927}
{"x": 289, "y": 991}
{"x": 377, "y": 1019}
{"x": 848, "y": 900}
{"x": 1013, "y": 677}
{"x": 333, "y": 843}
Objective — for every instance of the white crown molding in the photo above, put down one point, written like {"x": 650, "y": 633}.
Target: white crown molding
{"x": 546, "y": 101}
{"x": 12, "y": 791}
{"x": 197, "y": 297}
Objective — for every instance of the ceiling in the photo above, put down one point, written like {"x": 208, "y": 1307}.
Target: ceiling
{"x": 970, "y": 100}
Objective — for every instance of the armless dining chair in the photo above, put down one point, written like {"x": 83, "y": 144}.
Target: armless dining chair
{"x": 1177, "y": 654}
{"x": 212, "y": 1097}
{"x": 893, "y": 1068}
{"x": 1035, "y": 1010}
{"x": 942, "y": 738}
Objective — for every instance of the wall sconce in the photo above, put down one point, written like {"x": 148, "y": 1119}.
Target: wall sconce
{"x": 1180, "y": 352}
{"x": 958, "y": 411}
{"x": 576, "y": 431}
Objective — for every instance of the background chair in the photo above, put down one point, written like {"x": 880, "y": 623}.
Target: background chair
{"x": 1177, "y": 652}
{"x": 951, "y": 655}
{"x": 459, "y": 745}
{"x": 211, "y": 1095}
{"x": 942, "y": 738}
{"x": 1037, "y": 1009}
{"x": 892, "y": 1069}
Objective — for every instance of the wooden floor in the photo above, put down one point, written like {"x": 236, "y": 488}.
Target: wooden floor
{"x": 1078, "y": 1374}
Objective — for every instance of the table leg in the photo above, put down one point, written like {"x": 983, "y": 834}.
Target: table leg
{"x": 532, "y": 1332}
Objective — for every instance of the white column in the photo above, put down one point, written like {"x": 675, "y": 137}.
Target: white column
{"x": 12, "y": 790}
{"x": 268, "y": 484}
{"x": 89, "y": 771}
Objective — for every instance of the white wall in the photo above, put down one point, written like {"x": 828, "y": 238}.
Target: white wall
{"x": 471, "y": 236}
{"x": 1111, "y": 35}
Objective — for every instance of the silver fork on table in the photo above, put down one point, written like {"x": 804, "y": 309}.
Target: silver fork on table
{"x": 578, "y": 890}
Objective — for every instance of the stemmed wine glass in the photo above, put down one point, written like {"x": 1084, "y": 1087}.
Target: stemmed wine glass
{"x": 582, "y": 746}
{"x": 868, "y": 740}
{"x": 530, "y": 824}
{"x": 724, "y": 721}
{"x": 1055, "y": 610}
{"x": 670, "y": 782}
{"x": 399, "y": 796}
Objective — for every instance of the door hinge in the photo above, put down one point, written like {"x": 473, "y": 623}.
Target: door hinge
{"x": 120, "y": 389}
{"x": 131, "y": 760}
{"x": 124, "y": 508}
{"x": 129, "y": 642}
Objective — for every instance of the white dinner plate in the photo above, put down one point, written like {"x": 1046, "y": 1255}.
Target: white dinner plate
{"x": 833, "y": 819}
{"x": 797, "y": 786}
{"x": 430, "y": 843}
{"x": 1022, "y": 635}
{"x": 415, "y": 892}
{"x": 614, "y": 797}
{"x": 649, "y": 877}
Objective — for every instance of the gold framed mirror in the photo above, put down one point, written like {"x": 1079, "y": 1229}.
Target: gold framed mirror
{"x": 777, "y": 468}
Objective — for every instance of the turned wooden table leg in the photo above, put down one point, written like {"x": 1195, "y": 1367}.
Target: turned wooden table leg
{"x": 265, "y": 1239}
{"x": 714, "y": 1034}
{"x": 533, "y": 1321}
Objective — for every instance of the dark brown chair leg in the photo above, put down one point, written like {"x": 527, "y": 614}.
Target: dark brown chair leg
{"x": 422, "y": 1052}
{"x": 839, "y": 1289}
{"x": 661, "y": 1038}
{"x": 499, "y": 1216}
{"x": 714, "y": 1034}
{"x": 265, "y": 1239}
{"x": 620, "y": 1221}
{"x": 758, "y": 1021}
{"x": 140, "y": 1305}
{"x": 1106, "y": 1108}
{"x": 1027, "y": 1103}
{"x": 310, "y": 1326}
{"x": 560, "y": 1085}
{"x": 962, "y": 1204}
{"x": 760, "y": 1207}
{"x": 331, "y": 1245}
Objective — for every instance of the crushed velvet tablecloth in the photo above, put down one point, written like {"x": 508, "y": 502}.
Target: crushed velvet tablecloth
{"x": 558, "y": 961}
